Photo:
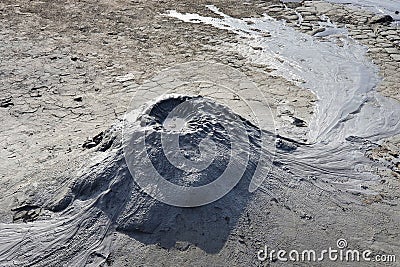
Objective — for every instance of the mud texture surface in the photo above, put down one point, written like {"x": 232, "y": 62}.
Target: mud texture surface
{"x": 68, "y": 72}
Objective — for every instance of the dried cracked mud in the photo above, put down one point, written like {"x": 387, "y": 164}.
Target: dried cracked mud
{"x": 70, "y": 71}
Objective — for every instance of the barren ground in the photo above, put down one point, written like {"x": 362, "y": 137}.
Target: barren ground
{"x": 59, "y": 87}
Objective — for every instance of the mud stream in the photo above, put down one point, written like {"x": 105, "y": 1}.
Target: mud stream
{"x": 350, "y": 117}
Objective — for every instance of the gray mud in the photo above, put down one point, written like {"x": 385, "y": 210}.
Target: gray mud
{"x": 318, "y": 185}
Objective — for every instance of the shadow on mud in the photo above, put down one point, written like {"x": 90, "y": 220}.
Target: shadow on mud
{"x": 133, "y": 212}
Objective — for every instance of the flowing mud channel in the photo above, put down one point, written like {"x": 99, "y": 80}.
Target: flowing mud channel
{"x": 292, "y": 121}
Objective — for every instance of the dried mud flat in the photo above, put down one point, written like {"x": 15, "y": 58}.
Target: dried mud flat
{"x": 68, "y": 71}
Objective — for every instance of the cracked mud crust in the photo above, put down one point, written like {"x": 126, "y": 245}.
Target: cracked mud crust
{"x": 68, "y": 71}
